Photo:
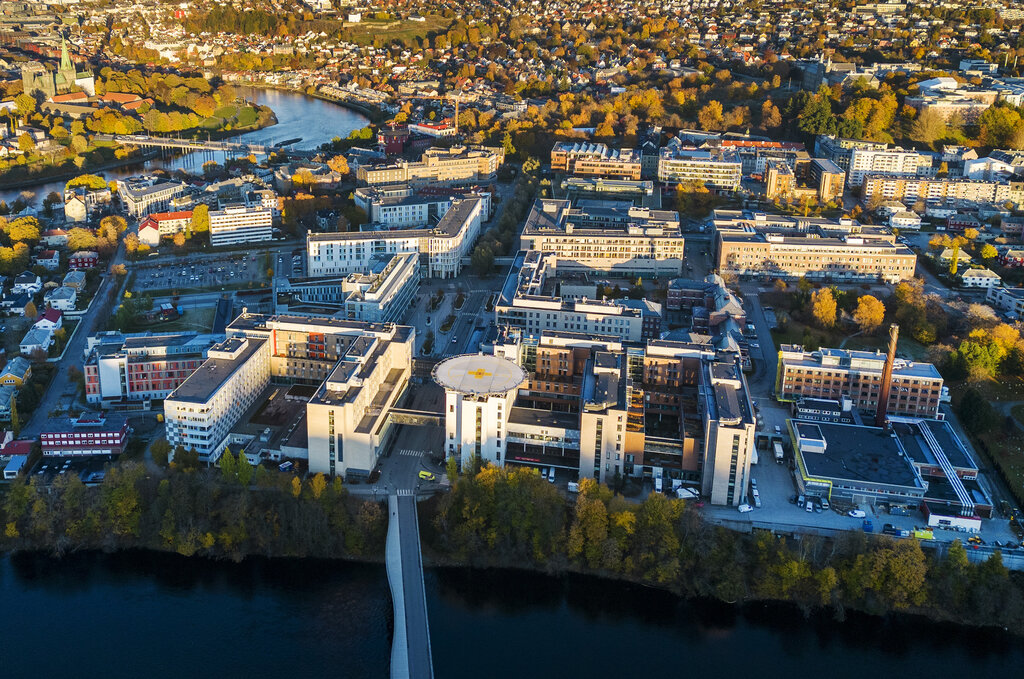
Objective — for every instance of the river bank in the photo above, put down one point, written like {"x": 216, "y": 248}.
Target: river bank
{"x": 374, "y": 114}
{"x": 517, "y": 520}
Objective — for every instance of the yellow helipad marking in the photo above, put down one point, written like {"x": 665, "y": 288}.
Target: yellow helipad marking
{"x": 479, "y": 373}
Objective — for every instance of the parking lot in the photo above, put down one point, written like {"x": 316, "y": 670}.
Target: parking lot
{"x": 205, "y": 273}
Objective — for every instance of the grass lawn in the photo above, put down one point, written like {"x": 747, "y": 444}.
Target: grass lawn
{"x": 1003, "y": 446}
{"x": 365, "y": 32}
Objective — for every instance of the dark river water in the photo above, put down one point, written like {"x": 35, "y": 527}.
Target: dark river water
{"x": 298, "y": 116}
{"x": 154, "y": 616}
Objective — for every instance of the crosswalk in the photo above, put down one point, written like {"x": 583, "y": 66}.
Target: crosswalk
{"x": 405, "y": 452}
{"x": 405, "y": 492}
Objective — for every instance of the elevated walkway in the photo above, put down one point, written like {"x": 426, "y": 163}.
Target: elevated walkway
{"x": 410, "y": 647}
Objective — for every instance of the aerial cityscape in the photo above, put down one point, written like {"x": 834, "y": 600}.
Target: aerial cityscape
{"x": 387, "y": 338}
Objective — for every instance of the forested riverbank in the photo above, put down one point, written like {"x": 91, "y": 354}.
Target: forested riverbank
{"x": 507, "y": 518}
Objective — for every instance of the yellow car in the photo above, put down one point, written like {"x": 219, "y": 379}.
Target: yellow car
{"x": 427, "y": 476}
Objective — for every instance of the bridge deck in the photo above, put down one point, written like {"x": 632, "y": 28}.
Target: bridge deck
{"x": 410, "y": 649}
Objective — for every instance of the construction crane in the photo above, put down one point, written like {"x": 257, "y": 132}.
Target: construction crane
{"x": 456, "y": 97}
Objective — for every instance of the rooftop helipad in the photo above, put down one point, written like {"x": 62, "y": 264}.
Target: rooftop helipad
{"x": 478, "y": 374}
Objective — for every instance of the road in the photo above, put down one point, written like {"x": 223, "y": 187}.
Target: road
{"x": 102, "y": 308}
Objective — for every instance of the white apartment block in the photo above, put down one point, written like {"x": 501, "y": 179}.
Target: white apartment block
{"x": 347, "y": 420}
{"x": 201, "y": 412}
{"x": 606, "y": 236}
{"x": 237, "y": 224}
{"x": 527, "y": 301}
{"x": 715, "y": 169}
{"x": 401, "y": 205}
{"x": 1010, "y": 300}
{"x": 440, "y": 248}
{"x": 886, "y": 162}
{"x": 142, "y": 195}
{"x": 911, "y": 189}
{"x": 438, "y": 166}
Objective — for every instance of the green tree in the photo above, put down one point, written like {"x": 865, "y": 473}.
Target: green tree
{"x": 160, "y": 450}
{"x": 228, "y": 465}
{"x": 15, "y": 419}
{"x": 245, "y": 470}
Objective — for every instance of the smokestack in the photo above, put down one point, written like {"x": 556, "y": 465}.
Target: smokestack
{"x": 886, "y": 386}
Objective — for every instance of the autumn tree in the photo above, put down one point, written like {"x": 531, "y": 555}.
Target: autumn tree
{"x": 928, "y": 127}
{"x": 339, "y": 164}
{"x": 988, "y": 251}
{"x": 823, "y": 307}
{"x": 200, "y": 219}
{"x": 869, "y": 314}
{"x": 131, "y": 244}
{"x": 179, "y": 239}
{"x": 771, "y": 117}
{"x": 710, "y": 116}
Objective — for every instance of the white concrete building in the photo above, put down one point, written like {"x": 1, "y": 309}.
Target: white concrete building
{"x": 479, "y": 392}
{"x": 237, "y": 224}
{"x": 201, "y": 412}
{"x": 440, "y": 248}
{"x": 894, "y": 161}
{"x": 980, "y": 278}
{"x": 715, "y": 169}
{"x": 905, "y": 221}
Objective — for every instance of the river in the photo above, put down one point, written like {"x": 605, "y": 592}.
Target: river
{"x": 315, "y": 121}
{"x": 155, "y": 616}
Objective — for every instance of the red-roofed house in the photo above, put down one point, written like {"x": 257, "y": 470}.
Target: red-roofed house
{"x": 51, "y": 319}
{"x": 55, "y": 238}
{"x": 50, "y": 259}
{"x": 163, "y": 225}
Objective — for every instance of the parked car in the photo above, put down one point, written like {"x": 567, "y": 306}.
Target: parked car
{"x": 857, "y": 513}
{"x": 824, "y": 503}
{"x": 809, "y": 507}
{"x": 744, "y": 508}
{"x": 427, "y": 476}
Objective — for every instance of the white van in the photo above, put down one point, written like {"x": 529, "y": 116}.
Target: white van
{"x": 551, "y": 475}
{"x": 657, "y": 484}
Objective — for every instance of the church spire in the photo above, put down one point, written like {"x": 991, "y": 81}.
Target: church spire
{"x": 65, "y": 58}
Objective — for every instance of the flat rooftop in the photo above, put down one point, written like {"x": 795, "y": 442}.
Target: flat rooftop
{"x": 914, "y": 442}
{"x": 213, "y": 373}
{"x": 858, "y": 454}
{"x": 479, "y": 374}
{"x": 542, "y": 418}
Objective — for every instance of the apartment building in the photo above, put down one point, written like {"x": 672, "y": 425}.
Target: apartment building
{"x": 779, "y": 181}
{"x": 537, "y": 300}
{"x": 1010, "y": 300}
{"x": 401, "y": 205}
{"x": 348, "y": 419}
{"x": 456, "y": 165}
{"x": 911, "y": 189}
{"x": 381, "y": 293}
{"x": 828, "y": 178}
{"x": 840, "y": 150}
{"x": 163, "y": 225}
{"x": 607, "y": 236}
{"x": 87, "y": 434}
{"x": 759, "y": 245}
{"x": 755, "y": 155}
{"x": 857, "y": 375}
{"x": 949, "y": 105}
{"x": 143, "y": 195}
{"x": 598, "y": 408}
{"x": 587, "y": 159}
{"x": 237, "y": 224}
{"x": 440, "y": 248}
{"x": 895, "y": 161}
{"x": 201, "y": 411}
{"x": 717, "y": 169}
{"x": 128, "y": 371}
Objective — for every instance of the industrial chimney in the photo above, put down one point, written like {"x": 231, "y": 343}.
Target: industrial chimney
{"x": 886, "y": 386}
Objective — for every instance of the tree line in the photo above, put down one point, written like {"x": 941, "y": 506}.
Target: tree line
{"x": 193, "y": 511}
{"x": 513, "y": 517}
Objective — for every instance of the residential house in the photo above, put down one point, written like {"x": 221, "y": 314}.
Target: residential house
{"x": 980, "y": 278}
{"x": 37, "y": 339}
{"x": 75, "y": 210}
{"x": 16, "y": 372}
{"x": 51, "y": 320}
{"x": 83, "y": 260}
{"x": 49, "y": 259}
{"x": 28, "y": 282}
{"x": 7, "y": 394}
{"x": 74, "y": 279}
{"x": 62, "y": 298}
{"x": 14, "y": 302}
{"x": 54, "y": 238}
